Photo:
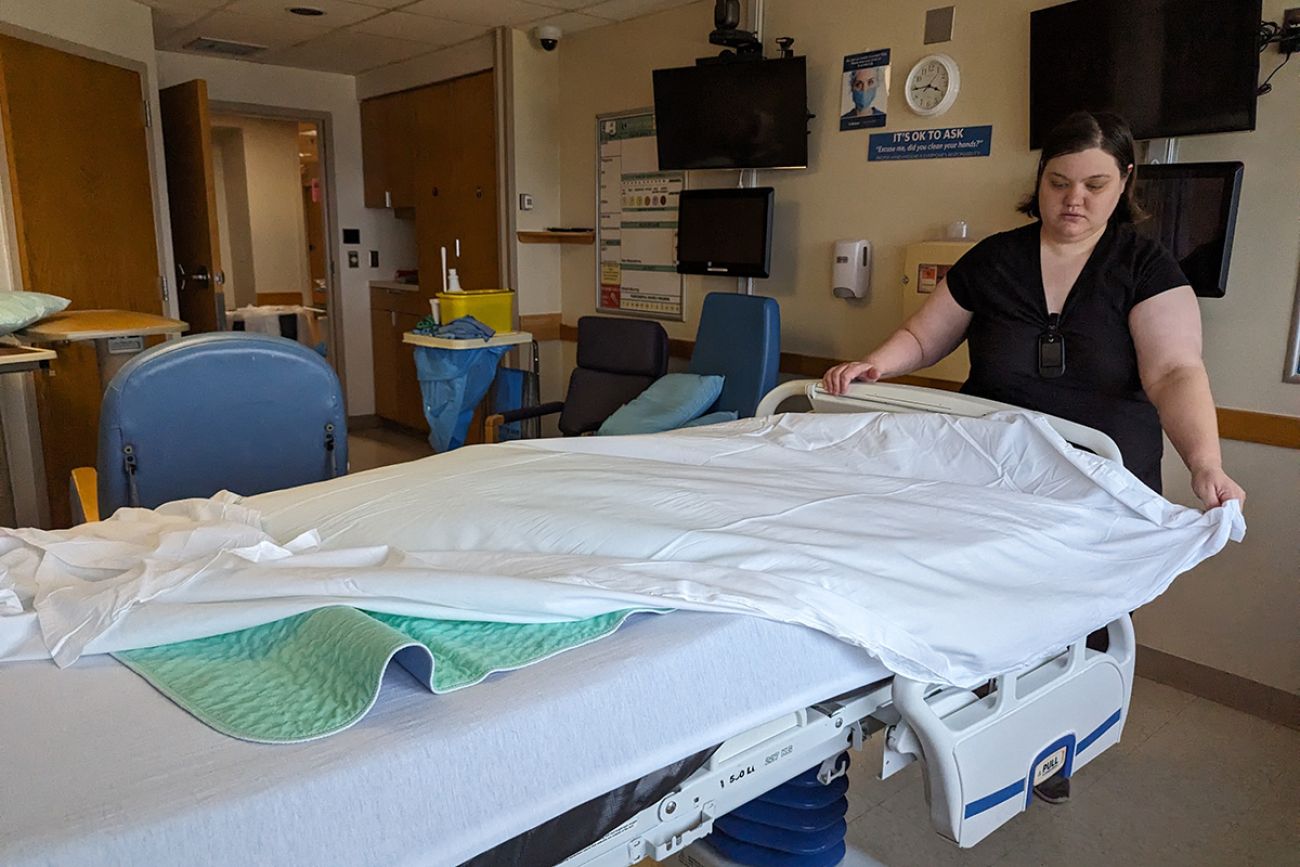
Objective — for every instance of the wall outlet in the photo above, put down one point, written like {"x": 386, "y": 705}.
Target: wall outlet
{"x": 354, "y": 259}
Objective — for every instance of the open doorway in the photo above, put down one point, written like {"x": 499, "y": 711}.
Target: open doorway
{"x": 272, "y": 218}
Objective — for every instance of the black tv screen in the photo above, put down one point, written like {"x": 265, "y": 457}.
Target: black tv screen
{"x": 1193, "y": 212}
{"x": 725, "y": 232}
{"x": 741, "y": 115}
{"x": 1171, "y": 67}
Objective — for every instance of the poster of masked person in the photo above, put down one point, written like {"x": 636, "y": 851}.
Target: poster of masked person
{"x": 866, "y": 90}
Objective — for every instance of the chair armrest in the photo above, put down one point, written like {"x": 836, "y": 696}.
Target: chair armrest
{"x": 526, "y": 412}
{"x": 84, "y": 495}
{"x": 492, "y": 424}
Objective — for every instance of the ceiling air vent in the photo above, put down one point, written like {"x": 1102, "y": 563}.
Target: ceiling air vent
{"x": 223, "y": 46}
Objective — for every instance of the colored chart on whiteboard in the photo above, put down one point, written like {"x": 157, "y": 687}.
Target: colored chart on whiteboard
{"x": 636, "y": 235}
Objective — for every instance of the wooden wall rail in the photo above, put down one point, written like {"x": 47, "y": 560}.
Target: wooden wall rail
{"x": 1234, "y": 424}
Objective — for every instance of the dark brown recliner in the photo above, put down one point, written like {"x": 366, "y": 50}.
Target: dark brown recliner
{"x": 617, "y": 360}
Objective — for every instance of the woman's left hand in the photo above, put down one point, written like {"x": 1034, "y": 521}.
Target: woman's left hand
{"x": 1215, "y": 488}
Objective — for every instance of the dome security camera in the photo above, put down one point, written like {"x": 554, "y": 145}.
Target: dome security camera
{"x": 548, "y": 36}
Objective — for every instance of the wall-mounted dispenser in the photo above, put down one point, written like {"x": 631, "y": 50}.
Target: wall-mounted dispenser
{"x": 851, "y": 273}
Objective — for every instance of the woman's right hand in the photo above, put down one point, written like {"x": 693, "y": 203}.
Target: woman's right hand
{"x": 837, "y": 379}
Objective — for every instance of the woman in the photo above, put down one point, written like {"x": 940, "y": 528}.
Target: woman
{"x": 1077, "y": 316}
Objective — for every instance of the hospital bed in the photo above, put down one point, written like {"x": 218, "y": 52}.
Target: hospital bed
{"x": 108, "y": 771}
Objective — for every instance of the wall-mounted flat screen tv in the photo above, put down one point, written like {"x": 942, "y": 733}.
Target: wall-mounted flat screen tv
{"x": 739, "y": 115}
{"x": 1193, "y": 208}
{"x": 1171, "y": 67}
{"x": 725, "y": 232}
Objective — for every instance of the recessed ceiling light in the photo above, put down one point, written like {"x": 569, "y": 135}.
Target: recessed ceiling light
{"x": 309, "y": 11}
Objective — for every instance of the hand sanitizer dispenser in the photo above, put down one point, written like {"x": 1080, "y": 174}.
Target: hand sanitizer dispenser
{"x": 851, "y": 271}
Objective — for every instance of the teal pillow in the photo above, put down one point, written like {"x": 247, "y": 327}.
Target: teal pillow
{"x": 672, "y": 401}
{"x": 20, "y": 309}
{"x": 713, "y": 418}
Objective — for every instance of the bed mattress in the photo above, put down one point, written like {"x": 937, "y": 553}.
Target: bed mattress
{"x": 99, "y": 768}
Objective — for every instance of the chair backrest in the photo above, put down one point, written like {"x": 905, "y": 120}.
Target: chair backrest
{"x": 617, "y": 360}
{"x": 247, "y": 413}
{"x": 739, "y": 338}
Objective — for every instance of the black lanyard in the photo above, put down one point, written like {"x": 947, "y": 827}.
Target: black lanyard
{"x": 1051, "y": 349}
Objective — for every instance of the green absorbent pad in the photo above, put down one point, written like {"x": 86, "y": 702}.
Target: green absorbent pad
{"x": 314, "y": 674}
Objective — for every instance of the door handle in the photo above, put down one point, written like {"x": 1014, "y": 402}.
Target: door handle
{"x": 199, "y": 276}
{"x": 388, "y": 199}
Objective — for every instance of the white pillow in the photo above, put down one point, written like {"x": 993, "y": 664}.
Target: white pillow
{"x": 20, "y": 309}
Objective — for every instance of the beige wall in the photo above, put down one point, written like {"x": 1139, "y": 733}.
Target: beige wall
{"x": 1237, "y": 612}
{"x": 276, "y": 223}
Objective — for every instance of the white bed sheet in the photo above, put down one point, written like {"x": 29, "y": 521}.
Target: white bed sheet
{"x": 101, "y": 769}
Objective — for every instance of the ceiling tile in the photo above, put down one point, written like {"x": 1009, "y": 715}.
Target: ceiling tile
{"x": 256, "y": 29}
{"x": 490, "y": 13}
{"x": 621, "y": 10}
{"x": 420, "y": 28}
{"x": 572, "y": 22}
{"x": 203, "y": 5}
{"x": 338, "y": 13}
{"x": 346, "y": 51}
{"x": 168, "y": 18}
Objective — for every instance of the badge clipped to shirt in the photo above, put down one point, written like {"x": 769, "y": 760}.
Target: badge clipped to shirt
{"x": 1051, "y": 349}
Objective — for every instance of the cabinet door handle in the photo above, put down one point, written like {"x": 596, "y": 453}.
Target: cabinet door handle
{"x": 435, "y": 191}
{"x": 458, "y": 248}
{"x": 388, "y": 199}
{"x": 478, "y": 192}
{"x": 392, "y": 317}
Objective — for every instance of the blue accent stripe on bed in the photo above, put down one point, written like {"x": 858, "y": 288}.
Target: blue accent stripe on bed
{"x": 988, "y": 802}
{"x": 1099, "y": 731}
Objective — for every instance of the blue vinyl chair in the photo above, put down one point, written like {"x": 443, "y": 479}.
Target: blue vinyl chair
{"x": 247, "y": 413}
{"x": 739, "y": 337}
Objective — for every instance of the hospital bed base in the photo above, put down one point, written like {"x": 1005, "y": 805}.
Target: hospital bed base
{"x": 981, "y": 755}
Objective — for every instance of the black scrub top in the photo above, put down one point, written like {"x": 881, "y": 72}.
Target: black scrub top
{"x": 1000, "y": 281}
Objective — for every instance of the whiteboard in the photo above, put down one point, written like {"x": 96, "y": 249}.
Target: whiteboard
{"x": 636, "y": 224}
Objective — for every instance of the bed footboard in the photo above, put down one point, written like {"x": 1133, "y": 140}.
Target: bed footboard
{"x": 983, "y": 756}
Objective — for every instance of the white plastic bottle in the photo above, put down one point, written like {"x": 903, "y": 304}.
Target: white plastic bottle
{"x": 453, "y": 281}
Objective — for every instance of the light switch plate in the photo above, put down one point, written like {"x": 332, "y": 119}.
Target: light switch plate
{"x": 525, "y": 202}
{"x": 374, "y": 258}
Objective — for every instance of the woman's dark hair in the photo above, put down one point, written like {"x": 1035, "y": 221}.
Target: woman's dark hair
{"x": 1080, "y": 132}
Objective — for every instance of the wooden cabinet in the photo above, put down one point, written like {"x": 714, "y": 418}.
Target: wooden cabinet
{"x": 389, "y": 150}
{"x": 397, "y": 389}
{"x": 433, "y": 149}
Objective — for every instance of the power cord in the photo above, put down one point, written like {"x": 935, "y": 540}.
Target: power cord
{"x": 1266, "y": 87}
{"x": 1287, "y": 38}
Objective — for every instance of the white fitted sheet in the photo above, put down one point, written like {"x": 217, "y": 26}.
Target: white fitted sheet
{"x": 101, "y": 769}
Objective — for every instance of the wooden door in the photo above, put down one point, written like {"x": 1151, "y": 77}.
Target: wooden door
{"x": 192, "y": 191}
{"x": 474, "y": 202}
{"x": 435, "y": 174}
{"x": 78, "y": 161}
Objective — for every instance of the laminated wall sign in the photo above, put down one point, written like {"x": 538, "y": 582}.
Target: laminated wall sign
{"x": 636, "y": 227}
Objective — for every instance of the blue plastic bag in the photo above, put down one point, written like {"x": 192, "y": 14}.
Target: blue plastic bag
{"x": 452, "y": 382}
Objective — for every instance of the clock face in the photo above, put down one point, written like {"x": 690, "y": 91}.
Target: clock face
{"x": 928, "y": 85}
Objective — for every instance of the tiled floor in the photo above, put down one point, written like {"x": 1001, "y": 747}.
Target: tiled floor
{"x": 380, "y": 447}
{"x": 1191, "y": 783}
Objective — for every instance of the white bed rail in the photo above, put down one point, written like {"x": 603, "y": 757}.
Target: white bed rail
{"x": 983, "y": 756}
{"x": 891, "y": 397}
{"x": 739, "y": 771}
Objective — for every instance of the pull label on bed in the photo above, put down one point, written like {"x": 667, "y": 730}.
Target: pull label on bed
{"x": 1050, "y": 765}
